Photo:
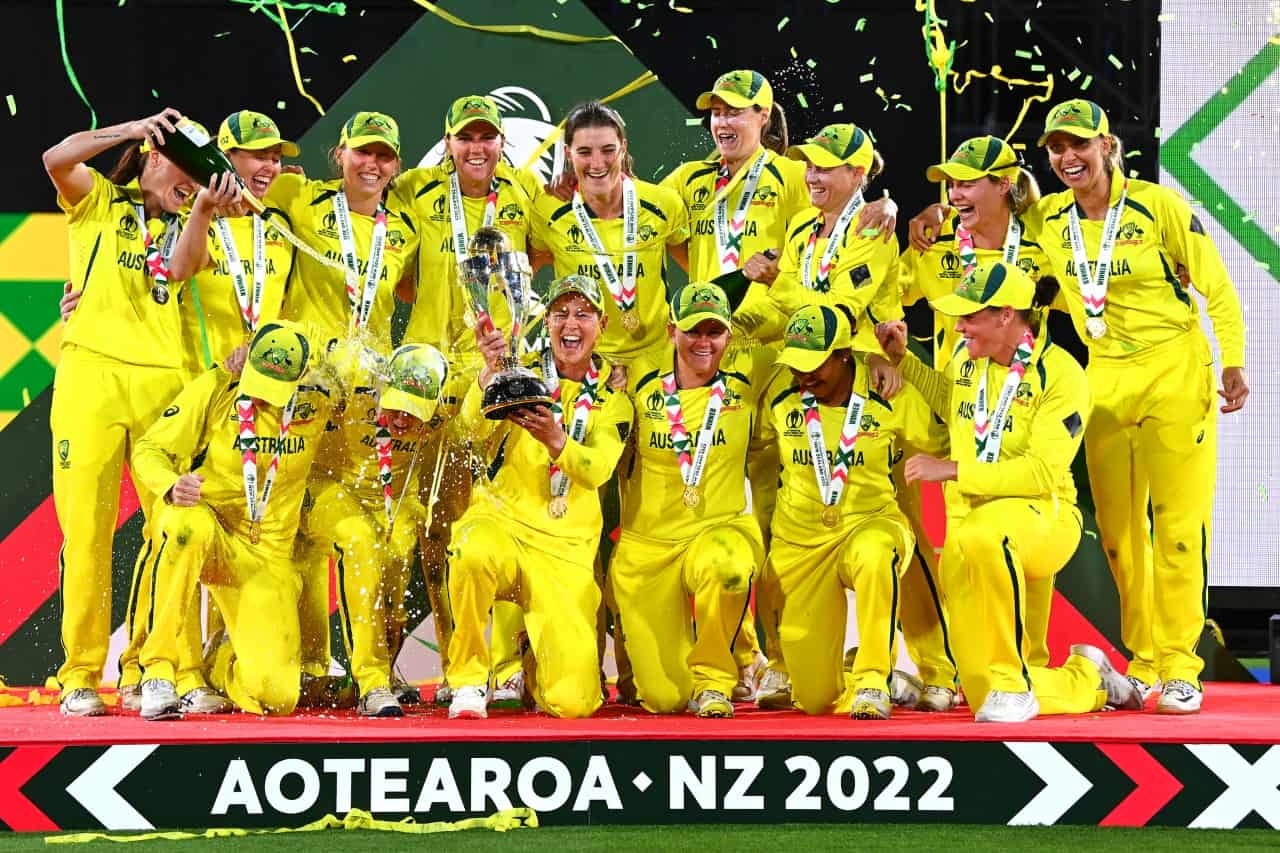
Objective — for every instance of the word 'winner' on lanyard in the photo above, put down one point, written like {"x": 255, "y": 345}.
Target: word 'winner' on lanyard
{"x": 361, "y": 299}
{"x": 692, "y": 464}
{"x": 621, "y": 288}
{"x": 822, "y": 283}
{"x": 1093, "y": 284}
{"x": 577, "y": 427}
{"x": 831, "y": 483}
{"x": 988, "y": 429}
{"x": 458, "y": 215}
{"x": 250, "y": 301}
{"x": 969, "y": 253}
{"x": 729, "y": 231}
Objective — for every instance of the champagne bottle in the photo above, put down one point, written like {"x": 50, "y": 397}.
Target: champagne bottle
{"x": 196, "y": 153}
{"x": 735, "y": 283}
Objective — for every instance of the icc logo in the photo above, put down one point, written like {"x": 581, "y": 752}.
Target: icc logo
{"x": 950, "y": 262}
{"x": 967, "y": 369}
{"x": 127, "y": 227}
{"x": 794, "y": 419}
{"x": 64, "y": 454}
{"x": 700, "y": 195}
{"x": 437, "y": 206}
{"x": 575, "y": 234}
{"x": 655, "y": 401}
{"x": 329, "y": 223}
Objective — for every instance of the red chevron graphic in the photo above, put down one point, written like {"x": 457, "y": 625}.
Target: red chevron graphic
{"x": 1156, "y": 785}
{"x": 1094, "y": 301}
{"x": 19, "y": 813}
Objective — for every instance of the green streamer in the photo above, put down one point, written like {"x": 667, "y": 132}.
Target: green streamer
{"x": 71, "y": 73}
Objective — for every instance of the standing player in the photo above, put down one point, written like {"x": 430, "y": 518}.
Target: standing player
{"x": 531, "y": 533}
{"x": 1014, "y": 512}
{"x": 120, "y": 365}
{"x": 684, "y": 532}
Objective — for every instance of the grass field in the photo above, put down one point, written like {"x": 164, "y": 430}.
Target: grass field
{"x": 785, "y": 837}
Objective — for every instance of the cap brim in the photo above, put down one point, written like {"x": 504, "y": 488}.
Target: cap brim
{"x": 575, "y": 292}
{"x": 803, "y": 360}
{"x": 733, "y": 99}
{"x": 287, "y": 148}
{"x": 1081, "y": 132}
{"x": 452, "y": 130}
{"x": 361, "y": 141}
{"x": 955, "y": 305}
{"x": 955, "y": 172}
{"x": 691, "y": 322}
{"x": 395, "y": 400}
{"x": 262, "y": 387}
{"x": 816, "y": 155}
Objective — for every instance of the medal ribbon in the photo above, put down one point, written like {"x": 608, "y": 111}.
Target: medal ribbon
{"x": 822, "y": 283}
{"x": 247, "y": 415}
{"x": 250, "y": 301}
{"x": 692, "y": 465}
{"x": 362, "y": 300}
{"x": 621, "y": 288}
{"x": 831, "y": 483}
{"x": 1093, "y": 286}
{"x": 157, "y": 257}
{"x": 969, "y": 254}
{"x": 577, "y": 427}
{"x": 988, "y": 430}
{"x": 729, "y": 231}
{"x": 382, "y": 441}
{"x": 458, "y": 214}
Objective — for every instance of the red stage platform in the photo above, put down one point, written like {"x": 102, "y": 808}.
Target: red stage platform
{"x": 1218, "y": 768}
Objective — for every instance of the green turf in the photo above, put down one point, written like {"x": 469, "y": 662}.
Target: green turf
{"x": 708, "y": 838}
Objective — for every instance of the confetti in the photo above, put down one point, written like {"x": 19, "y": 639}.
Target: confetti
{"x": 838, "y": 108}
{"x": 1133, "y": 173}
{"x": 657, "y": 33}
{"x": 1075, "y": 73}
{"x": 684, "y": 10}
{"x": 811, "y": 63}
{"x": 785, "y": 20}
{"x": 1137, "y": 152}
{"x": 989, "y": 18}
{"x": 866, "y": 78}
{"x": 1262, "y": 492}
{"x": 1027, "y": 25}
{"x": 1036, "y": 48}
{"x": 221, "y": 35}
{"x": 1037, "y": 67}
{"x": 800, "y": 98}
{"x": 712, "y": 39}
{"x": 692, "y": 122}
{"x": 861, "y": 25}
{"x": 1248, "y": 217}
{"x": 794, "y": 55}
{"x": 1023, "y": 54}
{"x": 1111, "y": 57}
{"x": 1158, "y": 131}
{"x": 279, "y": 105}
{"x": 1087, "y": 80}
{"x": 307, "y": 50}
{"x": 1091, "y": 534}
{"x": 636, "y": 24}
{"x": 154, "y": 93}
{"x": 13, "y": 105}
{"x": 1166, "y": 17}
{"x": 906, "y": 107}
{"x": 350, "y": 57}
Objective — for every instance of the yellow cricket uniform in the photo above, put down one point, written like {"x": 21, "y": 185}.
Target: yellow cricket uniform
{"x": 662, "y": 221}
{"x": 863, "y": 278}
{"x": 780, "y": 194}
{"x": 1155, "y": 418}
{"x": 1014, "y": 520}
{"x": 317, "y": 294}
{"x": 668, "y": 551}
{"x": 866, "y": 551}
{"x": 120, "y": 365}
{"x": 509, "y": 546}
{"x": 215, "y": 327}
{"x": 256, "y": 587}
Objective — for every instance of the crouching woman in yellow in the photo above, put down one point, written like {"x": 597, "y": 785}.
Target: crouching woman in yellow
{"x": 1013, "y": 500}
{"x": 364, "y": 515}
{"x": 684, "y": 532}
{"x": 231, "y": 456}
{"x": 845, "y": 531}
{"x": 531, "y": 532}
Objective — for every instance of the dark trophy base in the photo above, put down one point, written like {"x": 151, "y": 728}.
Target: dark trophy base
{"x": 513, "y": 390}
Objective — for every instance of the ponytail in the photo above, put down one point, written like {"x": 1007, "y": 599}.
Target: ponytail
{"x": 1115, "y": 157}
{"x": 1024, "y": 192}
{"x": 130, "y": 165}
{"x": 874, "y": 170}
{"x": 774, "y": 135}
{"x": 1047, "y": 288}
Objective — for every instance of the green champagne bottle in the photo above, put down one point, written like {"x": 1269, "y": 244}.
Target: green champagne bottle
{"x": 196, "y": 153}
{"x": 735, "y": 283}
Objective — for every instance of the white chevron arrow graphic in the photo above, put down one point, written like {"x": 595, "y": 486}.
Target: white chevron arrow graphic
{"x": 1064, "y": 785}
{"x": 95, "y": 788}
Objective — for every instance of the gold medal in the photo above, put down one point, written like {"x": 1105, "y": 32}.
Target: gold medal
{"x": 692, "y": 496}
{"x": 830, "y": 516}
{"x": 255, "y": 532}
{"x": 630, "y": 320}
{"x": 559, "y": 506}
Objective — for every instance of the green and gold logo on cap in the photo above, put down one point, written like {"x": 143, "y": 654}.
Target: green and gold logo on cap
{"x": 279, "y": 353}
{"x": 980, "y": 285}
{"x": 803, "y": 332}
{"x": 839, "y": 139}
{"x": 742, "y": 83}
{"x": 1074, "y": 114}
{"x": 416, "y": 378}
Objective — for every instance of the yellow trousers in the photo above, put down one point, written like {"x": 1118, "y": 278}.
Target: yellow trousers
{"x": 990, "y": 554}
{"x": 869, "y": 559}
{"x": 101, "y": 407}
{"x": 1152, "y": 441}
{"x": 554, "y": 588}
{"x": 372, "y": 574}
{"x": 762, "y": 471}
{"x": 653, "y": 581}
{"x": 256, "y": 592}
{"x": 921, "y": 613}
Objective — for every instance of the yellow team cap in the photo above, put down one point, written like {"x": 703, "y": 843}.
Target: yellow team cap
{"x": 365, "y": 128}
{"x": 740, "y": 89}
{"x": 416, "y": 377}
{"x": 189, "y": 127}
{"x": 1077, "y": 117}
{"x": 587, "y": 288}
{"x": 277, "y": 359}
{"x": 836, "y": 145}
{"x": 253, "y": 131}
{"x": 700, "y": 301}
{"x": 990, "y": 285}
{"x": 977, "y": 158}
{"x": 813, "y": 333}
{"x": 471, "y": 108}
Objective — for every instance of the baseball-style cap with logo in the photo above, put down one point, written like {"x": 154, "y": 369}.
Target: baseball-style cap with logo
{"x": 813, "y": 333}
{"x": 990, "y": 285}
{"x": 835, "y": 145}
{"x": 588, "y": 288}
{"x": 416, "y": 376}
{"x": 470, "y": 108}
{"x": 253, "y": 131}
{"x": 192, "y": 129}
{"x": 277, "y": 359}
{"x": 365, "y": 128}
{"x": 740, "y": 89}
{"x": 1077, "y": 117}
{"x": 977, "y": 158}
{"x": 700, "y": 301}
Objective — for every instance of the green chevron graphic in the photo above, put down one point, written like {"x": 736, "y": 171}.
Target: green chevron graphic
{"x": 1175, "y": 156}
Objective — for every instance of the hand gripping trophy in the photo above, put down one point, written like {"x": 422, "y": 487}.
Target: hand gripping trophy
{"x": 492, "y": 265}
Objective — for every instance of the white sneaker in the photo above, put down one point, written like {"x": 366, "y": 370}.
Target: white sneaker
{"x": 745, "y": 689}
{"x": 1002, "y": 707}
{"x": 934, "y": 698}
{"x": 130, "y": 697}
{"x": 1144, "y": 689}
{"x": 469, "y": 703}
{"x": 380, "y": 702}
{"x": 205, "y": 700}
{"x": 83, "y": 702}
{"x": 509, "y": 694}
{"x": 905, "y": 689}
{"x": 444, "y": 694}
{"x": 160, "y": 700}
{"x": 1121, "y": 694}
{"x": 711, "y": 703}
{"x": 1179, "y": 697}
{"x": 871, "y": 704}
{"x": 774, "y": 692}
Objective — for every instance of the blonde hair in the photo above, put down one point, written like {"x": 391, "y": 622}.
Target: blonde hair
{"x": 874, "y": 170}
{"x": 1115, "y": 157}
{"x": 1024, "y": 192}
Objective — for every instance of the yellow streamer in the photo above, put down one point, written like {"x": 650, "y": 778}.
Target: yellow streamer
{"x": 639, "y": 83}
{"x": 516, "y": 29}
{"x": 996, "y": 73}
{"x": 293, "y": 58}
{"x": 356, "y": 819}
